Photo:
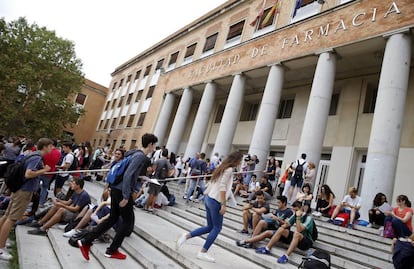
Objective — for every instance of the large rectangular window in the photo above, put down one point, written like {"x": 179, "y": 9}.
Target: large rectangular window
{"x": 188, "y": 57}
{"x": 121, "y": 100}
{"x": 129, "y": 99}
{"x": 173, "y": 58}
{"x": 235, "y": 31}
{"x": 114, "y": 86}
{"x": 80, "y": 99}
{"x": 210, "y": 42}
{"x": 121, "y": 83}
{"x": 249, "y": 112}
{"x": 113, "y": 123}
{"x": 150, "y": 92}
{"x": 113, "y": 103}
{"x": 271, "y": 19}
{"x": 133, "y": 144}
{"x": 285, "y": 108}
{"x": 370, "y": 98}
{"x": 159, "y": 64}
{"x": 121, "y": 122}
{"x": 106, "y": 124}
{"x": 137, "y": 74}
{"x": 147, "y": 70}
{"x": 138, "y": 97}
{"x": 107, "y": 105}
{"x": 100, "y": 124}
{"x": 141, "y": 119}
{"x": 130, "y": 120}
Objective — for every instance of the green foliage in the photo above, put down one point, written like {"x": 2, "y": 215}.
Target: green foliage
{"x": 39, "y": 78}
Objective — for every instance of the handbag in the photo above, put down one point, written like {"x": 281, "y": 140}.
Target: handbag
{"x": 389, "y": 230}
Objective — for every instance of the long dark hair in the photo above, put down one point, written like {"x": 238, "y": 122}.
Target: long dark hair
{"x": 232, "y": 160}
{"x": 404, "y": 198}
{"x": 377, "y": 199}
{"x": 328, "y": 191}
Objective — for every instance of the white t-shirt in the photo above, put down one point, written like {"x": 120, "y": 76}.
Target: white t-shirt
{"x": 253, "y": 185}
{"x": 353, "y": 202}
{"x": 67, "y": 159}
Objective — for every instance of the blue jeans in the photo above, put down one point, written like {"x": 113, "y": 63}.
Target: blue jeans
{"x": 193, "y": 185}
{"x": 400, "y": 228}
{"x": 214, "y": 222}
{"x": 44, "y": 190}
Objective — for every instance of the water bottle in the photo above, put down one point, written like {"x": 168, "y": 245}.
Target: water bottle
{"x": 309, "y": 252}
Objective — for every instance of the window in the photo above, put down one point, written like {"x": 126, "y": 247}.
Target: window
{"x": 100, "y": 142}
{"x": 133, "y": 144}
{"x": 141, "y": 119}
{"x": 120, "y": 83}
{"x": 137, "y": 75}
{"x": 129, "y": 99}
{"x": 210, "y": 42}
{"x": 262, "y": 24}
{"x": 307, "y": 8}
{"x": 147, "y": 70}
{"x": 150, "y": 92}
{"x": 113, "y": 103}
{"x": 173, "y": 58}
{"x": 121, "y": 100}
{"x": 80, "y": 99}
{"x": 106, "y": 124}
{"x": 107, "y": 105}
{"x": 334, "y": 104}
{"x": 285, "y": 109}
{"x": 121, "y": 122}
{"x": 370, "y": 98}
{"x": 122, "y": 143}
{"x": 249, "y": 112}
{"x": 138, "y": 97}
{"x": 159, "y": 64}
{"x": 100, "y": 124}
{"x": 220, "y": 112}
{"x": 190, "y": 52}
{"x": 113, "y": 123}
{"x": 235, "y": 31}
{"x": 113, "y": 144}
{"x": 130, "y": 120}
{"x": 114, "y": 86}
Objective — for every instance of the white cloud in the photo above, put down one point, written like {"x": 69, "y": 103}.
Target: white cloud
{"x": 108, "y": 33}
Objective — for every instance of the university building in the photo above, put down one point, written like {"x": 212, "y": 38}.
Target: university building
{"x": 330, "y": 78}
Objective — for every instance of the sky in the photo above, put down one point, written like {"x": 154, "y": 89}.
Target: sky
{"x": 108, "y": 33}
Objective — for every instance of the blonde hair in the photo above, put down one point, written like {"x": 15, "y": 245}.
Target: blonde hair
{"x": 353, "y": 190}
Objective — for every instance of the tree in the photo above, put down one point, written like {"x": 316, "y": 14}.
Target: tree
{"x": 39, "y": 79}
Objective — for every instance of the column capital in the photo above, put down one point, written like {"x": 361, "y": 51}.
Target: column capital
{"x": 238, "y": 73}
{"x": 279, "y": 64}
{"x": 406, "y": 30}
{"x": 208, "y": 81}
{"x": 329, "y": 50}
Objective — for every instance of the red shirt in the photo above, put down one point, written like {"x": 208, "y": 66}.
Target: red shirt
{"x": 402, "y": 214}
{"x": 52, "y": 159}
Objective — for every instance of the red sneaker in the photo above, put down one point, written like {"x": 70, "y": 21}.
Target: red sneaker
{"x": 116, "y": 255}
{"x": 84, "y": 250}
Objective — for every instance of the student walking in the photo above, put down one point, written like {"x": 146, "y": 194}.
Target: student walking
{"x": 122, "y": 201}
{"x": 215, "y": 202}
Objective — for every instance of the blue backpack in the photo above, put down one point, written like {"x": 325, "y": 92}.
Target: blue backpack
{"x": 116, "y": 173}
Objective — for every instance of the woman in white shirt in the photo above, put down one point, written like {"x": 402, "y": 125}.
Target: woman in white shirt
{"x": 215, "y": 202}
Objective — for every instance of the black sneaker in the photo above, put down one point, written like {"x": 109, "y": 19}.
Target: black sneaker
{"x": 37, "y": 232}
{"x": 239, "y": 243}
{"x": 35, "y": 224}
{"x": 244, "y": 231}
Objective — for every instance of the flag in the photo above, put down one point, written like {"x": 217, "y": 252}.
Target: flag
{"x": 259, "y": 15}
{"x": 298, "y": 5}
{"x": 275, "y": 9}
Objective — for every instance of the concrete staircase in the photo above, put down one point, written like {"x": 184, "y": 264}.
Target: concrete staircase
{"x": 152, "y": 244}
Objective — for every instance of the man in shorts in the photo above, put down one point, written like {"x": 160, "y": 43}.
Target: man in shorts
{"x": 301, "y": 238}
{"x": 20, "y": 199}
{"x": 63, "y": 210}
{"x": 253, "y": 212}
{"x": 267, "y": 227}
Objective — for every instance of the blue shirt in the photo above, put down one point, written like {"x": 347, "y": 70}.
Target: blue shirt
{"x": 33, "y": 163}
{"x": 81, "y": 199}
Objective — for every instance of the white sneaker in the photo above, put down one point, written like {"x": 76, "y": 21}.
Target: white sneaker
{"x": 316, "y": 214}
{"x": 8, "y": 243}
{"x": 70, "y": 233}
{"x": 204, "y": 256}
{"x": 181, "y": 240}
{"x": 4, "y": 255}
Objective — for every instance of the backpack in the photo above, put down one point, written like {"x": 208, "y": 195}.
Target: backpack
{"x": 299, "y": 171}
{"x": 318, "y": 260}
{"x": 403, "y": 256}
{"x": 14, "y": 176}
{"x": 116, "y": 173}
{"x": 74, "y": 165}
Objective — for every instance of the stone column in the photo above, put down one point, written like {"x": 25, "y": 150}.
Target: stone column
{"x": 384, "y": 141}
{"x": 164, "y": 117}
{"x": 316, "y": 118}
{"x": 180, "y": 121}
{"x": 265, "y": 123}
{"x": 231, "y": 116}
{"x": 200, "y": 123}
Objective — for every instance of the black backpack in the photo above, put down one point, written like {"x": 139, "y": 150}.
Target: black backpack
{"x": 403, "y": 256}
{"x": 314, "y": 232}
{"x": 318, "y": 260}
{"x": 299, "y": 171}
{"x": 14, "y": 176}
{"x": 74, "y": 165}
